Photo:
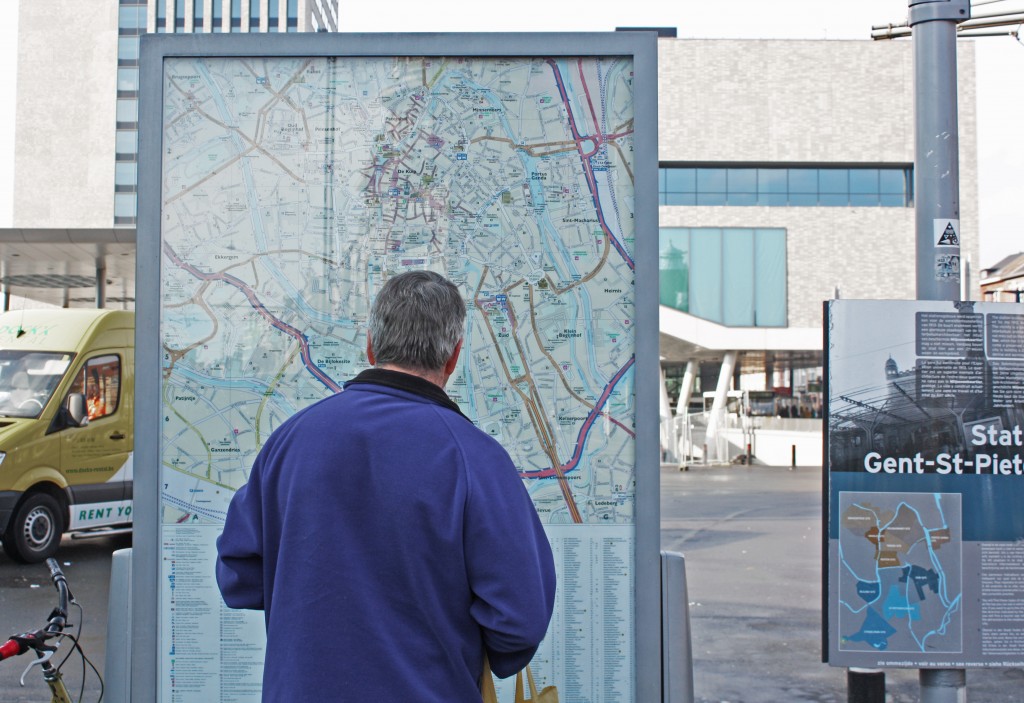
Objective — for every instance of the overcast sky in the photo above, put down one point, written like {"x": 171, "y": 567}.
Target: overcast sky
{"x": 1000, "y": 62}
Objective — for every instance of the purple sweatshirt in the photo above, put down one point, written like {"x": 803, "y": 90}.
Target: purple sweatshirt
{"x": 389, "y": 541}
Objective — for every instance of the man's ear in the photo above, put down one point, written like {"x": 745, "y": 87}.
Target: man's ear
{"x": 449, "y": 367}
{"x": 370, "y": 356}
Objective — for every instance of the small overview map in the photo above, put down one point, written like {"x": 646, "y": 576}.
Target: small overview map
{"x": 900, "y": 572}
{"x": 293, "y": 188}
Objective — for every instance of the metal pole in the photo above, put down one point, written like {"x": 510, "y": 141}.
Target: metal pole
{"x": 937, "y": 202}
{"x": 937, "y": 147}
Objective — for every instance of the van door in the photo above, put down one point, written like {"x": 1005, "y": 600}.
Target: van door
{"x": 95, "y": 457}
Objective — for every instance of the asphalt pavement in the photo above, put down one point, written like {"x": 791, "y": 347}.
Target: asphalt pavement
{"x": 27, "y": 596}
{"x": 752, "y": 541}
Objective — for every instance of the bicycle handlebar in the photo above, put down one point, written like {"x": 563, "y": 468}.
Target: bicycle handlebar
{"x": 19, "y": 644}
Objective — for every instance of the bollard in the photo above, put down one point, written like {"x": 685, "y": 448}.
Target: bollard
{"x": 704, "y": 457}
{"x": 749, "y": 456}
{"x": 117, "y": 673}
{"x": 676, "y": 644}
{"x": 943, "y": 685}
{"x": 865, "y": 685}
{"x": 792, "y": 464}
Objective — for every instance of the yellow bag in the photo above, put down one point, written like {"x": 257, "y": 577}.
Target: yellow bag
{"x": 549, "y": 694}
{"x": 487, "y": 692}
{"x": 489, "y": 695}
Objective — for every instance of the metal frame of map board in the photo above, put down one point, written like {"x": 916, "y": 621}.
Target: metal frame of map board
{"x": 923, "y": 536}
{"x": 641, "y": 47}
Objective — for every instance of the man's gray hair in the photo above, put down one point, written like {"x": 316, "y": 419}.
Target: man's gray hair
{"x": 416, "y": 321}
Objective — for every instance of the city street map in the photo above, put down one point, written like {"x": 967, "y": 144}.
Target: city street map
{"x": 292, "y": 189}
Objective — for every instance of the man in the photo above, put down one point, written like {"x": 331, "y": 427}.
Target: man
{"x": 388, "y": 540}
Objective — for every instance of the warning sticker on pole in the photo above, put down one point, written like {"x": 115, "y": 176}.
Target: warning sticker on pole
{"x": 947, "y": 232}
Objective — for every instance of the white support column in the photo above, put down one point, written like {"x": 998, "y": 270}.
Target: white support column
{"x": 686, "y": 390}
{"x": 684, "y": 433}
{"x": 669, "y": 443}
{"x": 715, "y": 437}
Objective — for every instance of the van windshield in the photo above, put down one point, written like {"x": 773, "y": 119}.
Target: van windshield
{"x": 28, "y": 380}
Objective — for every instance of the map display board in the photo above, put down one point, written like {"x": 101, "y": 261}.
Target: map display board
{"x": 924, "y": 536}
{"x": 292, "y": 186}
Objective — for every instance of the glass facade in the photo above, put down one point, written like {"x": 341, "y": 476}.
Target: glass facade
{"x": 773, "y": 186}
{"x": 131, "y": 24}
{"x": 733, "y": 276}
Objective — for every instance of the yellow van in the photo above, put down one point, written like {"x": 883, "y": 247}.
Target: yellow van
{"x": 66, "y": 437}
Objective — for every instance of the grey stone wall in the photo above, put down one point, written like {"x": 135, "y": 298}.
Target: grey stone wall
{"x": 819, "y": 102}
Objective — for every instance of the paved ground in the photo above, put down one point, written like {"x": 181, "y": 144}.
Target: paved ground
{"x": 26, "y": 597}
{"x": 752, "y": 541}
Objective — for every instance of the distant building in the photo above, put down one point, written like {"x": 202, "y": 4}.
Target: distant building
{"x": 1004, "y": 282}
{"x": 786, "y": 180}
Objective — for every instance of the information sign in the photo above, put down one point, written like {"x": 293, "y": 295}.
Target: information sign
{"x": 924, "y": 536}
{"x": 291, "y": 182}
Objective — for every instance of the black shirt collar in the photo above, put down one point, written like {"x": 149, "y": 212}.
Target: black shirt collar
{"x": 409, "y": 383}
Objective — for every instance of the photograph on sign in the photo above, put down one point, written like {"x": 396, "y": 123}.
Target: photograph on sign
{"x": 292, "y": 188}
{"x": 924, "y": 471}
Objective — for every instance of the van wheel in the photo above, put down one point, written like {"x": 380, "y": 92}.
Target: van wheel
{"x": 35, "y": 529}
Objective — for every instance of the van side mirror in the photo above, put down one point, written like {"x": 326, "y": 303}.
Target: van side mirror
{"x": 76, "y": 410}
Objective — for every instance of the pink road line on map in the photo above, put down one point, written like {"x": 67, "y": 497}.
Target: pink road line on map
{"x": 588, "y": 168}
{"x": 581, "y": 439}
{"x": 307, "y": 360}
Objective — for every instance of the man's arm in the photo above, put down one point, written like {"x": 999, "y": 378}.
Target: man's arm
{"x": 511, "y": 570}
{"x": 240, "y": 548}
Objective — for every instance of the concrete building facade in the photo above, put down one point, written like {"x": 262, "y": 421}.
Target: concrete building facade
{"x": 772, "y": 109}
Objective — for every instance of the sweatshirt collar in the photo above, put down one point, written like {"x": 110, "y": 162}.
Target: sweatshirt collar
{"x": 408, "y": 383}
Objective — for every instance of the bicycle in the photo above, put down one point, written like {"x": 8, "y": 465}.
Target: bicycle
{"x": 54, "y": 629}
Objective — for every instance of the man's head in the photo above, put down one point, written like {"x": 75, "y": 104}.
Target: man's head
{"x": 416, "y": 324}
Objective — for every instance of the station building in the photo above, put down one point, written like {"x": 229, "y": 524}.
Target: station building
{"x": 786, "y": 179}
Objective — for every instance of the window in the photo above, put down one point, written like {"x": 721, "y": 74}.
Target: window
{"x": 128, "y": 48}
{"x": 236, "y": 15}
{"x": 161, "y": 15}
{"x": 293, "y": 15}
{"x": 131, "y": 18}
{"x": 179, "y": 14}
{"x": 124, "y": 207}
{"x": 127, "y": 80}
{"x": 254, "y": 15}
{"x": 100, "y": 382}
{"x": 126, "y": 143}
{"x": 127, "y": 110}
{"x": 273, "y": 15}
{"x": 28, "y": 380}
{"x": 787, "y": 187}
{"x": 218, "y": 16}
{"x": 125, "y": 173}
{"x": 733, "y": 276}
